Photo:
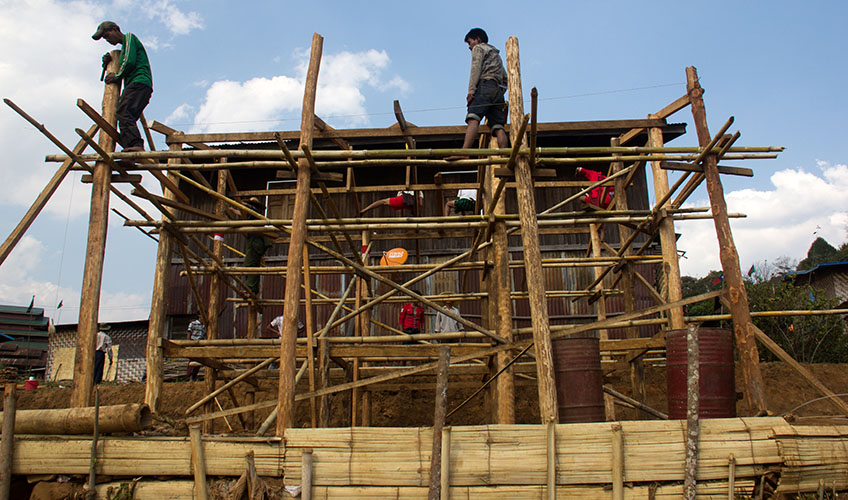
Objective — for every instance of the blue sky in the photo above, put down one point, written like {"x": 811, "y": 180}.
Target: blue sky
{"x": 777, "y": 66}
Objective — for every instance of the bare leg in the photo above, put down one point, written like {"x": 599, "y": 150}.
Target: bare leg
{"x": 470, "y": 136}
{"x": 503, "y": 140}
{"x": 378, "y": 203}
{"x": 448, "y": 206}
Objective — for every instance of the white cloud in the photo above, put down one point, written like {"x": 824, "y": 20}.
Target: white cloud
{"x": 177, "y": 21}
{"x": 179, "y": 115}
{"x": 780, "y": 221}
{"x": 17, "y": 287}
{"x": 263, "y": 103}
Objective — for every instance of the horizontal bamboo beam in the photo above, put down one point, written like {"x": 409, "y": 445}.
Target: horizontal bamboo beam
{"x": 116, "y": 418}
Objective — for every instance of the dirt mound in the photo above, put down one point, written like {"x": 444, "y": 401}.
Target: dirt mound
{"x": 787, "y": 392}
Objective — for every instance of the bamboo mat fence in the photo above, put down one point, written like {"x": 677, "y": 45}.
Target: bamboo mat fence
{"x": 495, "y": 461}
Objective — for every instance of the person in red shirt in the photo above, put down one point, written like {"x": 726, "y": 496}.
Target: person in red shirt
{"x": 411, "y": 317}
{"x": 594, "y": 196}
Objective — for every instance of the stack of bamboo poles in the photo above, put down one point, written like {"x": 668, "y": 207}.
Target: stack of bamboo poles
{"x": 481, "y": 462}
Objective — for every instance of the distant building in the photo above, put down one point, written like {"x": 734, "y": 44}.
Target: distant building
{"x": 831, "y": 277}
{"x": 130, "y": 338}
{"x": 23, "y": 338}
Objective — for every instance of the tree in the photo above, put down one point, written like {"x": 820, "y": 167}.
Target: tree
{"x": 820, "y": 252}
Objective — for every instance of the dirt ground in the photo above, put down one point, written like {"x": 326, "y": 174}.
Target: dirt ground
{"x": 786, "y": 393}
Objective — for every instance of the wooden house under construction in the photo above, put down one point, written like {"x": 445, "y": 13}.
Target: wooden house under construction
{"x": 531, "y": 265}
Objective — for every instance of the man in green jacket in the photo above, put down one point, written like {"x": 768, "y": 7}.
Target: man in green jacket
{"x": 138, "y": 82}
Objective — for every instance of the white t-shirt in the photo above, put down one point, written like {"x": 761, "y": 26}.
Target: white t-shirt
{"x": 470, "y": 194}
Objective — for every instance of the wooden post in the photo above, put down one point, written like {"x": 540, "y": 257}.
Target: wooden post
{"x": 285, "y": 399}
{"x": 158, "y": 321}
{"x": 693, "y": 376}
{"x": 198, "y": 462}
{"x": 731, "y": 477}
{"x": 601, "y": 304}
{"x": 532, "y": 253}
{"x": 743, "y": 326}
{"x": 628, "y": 283}
{"x": 98, "y": 219}
{"x": 550, "y": 429}
{"x": 439, "y": 423}
{"x": 446, "y": 461}
{"x": 306, "y": 474}
{"x": 500, "y": 286}
{"x": 617, "y": 462}
{"x": 210, "y": 375}
{"x": 668, "y": 240}
{"x": 309, "y": 323}
{"x": 252, "y": 320}
{"x": 7, "y": 446}
{"x": 92, "y": 468}
{"x": 365, "y": 328}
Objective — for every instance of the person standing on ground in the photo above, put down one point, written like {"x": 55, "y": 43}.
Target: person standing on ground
{"x": 134, "y": 72}
{"x": 486, "y": 87}
{"x": 104, "y": 347}
{"x": 446, "y": 324}
{"x": 196, "y": 331}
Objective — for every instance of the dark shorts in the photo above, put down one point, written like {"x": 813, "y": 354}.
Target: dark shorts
{"x": 463, "y": 205}
{"x": 488, "y": 102}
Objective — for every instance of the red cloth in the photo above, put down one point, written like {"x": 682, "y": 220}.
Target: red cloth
{"x": 411, "y": 316}
{"x": 405, "y": 201}
{"x": 594, "y": 196}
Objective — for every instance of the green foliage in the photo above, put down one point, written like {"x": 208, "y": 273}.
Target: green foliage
{"x": 820, "y": 252}
{"x": 808, "y": 339}
{"x": 696, "y": 286}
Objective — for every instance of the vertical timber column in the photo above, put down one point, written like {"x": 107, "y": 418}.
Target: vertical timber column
{"x": 158, "y": 308}
{"x": 211, "y": 376}
{"x": 365, "y": 320}
{"x": 628, "y": 284}
{"x": 500, "y": 288}
{"x": 95, "y": 251}
{"x": 668, "y": 241}
{"x": 743, "y": 326}
{"x": 294, "y": 265}
{"x": 530, "y": 240}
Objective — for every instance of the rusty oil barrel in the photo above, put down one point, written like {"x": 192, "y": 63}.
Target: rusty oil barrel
{"x": 716, "y": 386}
{"x": 579, "y": 380}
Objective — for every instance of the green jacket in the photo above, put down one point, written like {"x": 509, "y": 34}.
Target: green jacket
{"x": 135, "y": 68}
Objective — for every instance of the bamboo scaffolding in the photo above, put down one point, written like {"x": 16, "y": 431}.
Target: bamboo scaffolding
{"x": 402, "y": 156}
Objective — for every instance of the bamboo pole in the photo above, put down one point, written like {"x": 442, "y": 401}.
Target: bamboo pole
{"x": 742, "y": 323}
{"x": 285, "y": 400}
{"x": 245, "y": 374}
{"x": 446, "y": 463}
{"x": 215, "y": 309}
{"x": 636, "y": 404}
{"x": 731, "y": 477}
{"x": 532, "y": 254}
{"x": 310, "y": 340}
{"x": 439, "y": 424}
{"x": 306, "y": 475}
{"x": 7, "y": 445}
{"x": 41, "y": 200}
{"x": 158, "y": 321}
{"x": 198, "y": 462}
{"x": 617, "y": 462}
{"x": 94, "y": 255}
{"x": 402, "y": 156}
{"x": 693, "y": 377}
{"x": 92, "y": 468}
{"x": 550, "y": 430}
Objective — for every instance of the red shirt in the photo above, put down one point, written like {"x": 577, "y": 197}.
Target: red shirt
{"x": 594, "y": 196}
{"x": 411, "y": 316}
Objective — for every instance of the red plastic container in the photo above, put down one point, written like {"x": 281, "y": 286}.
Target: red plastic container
{"x": 31, "y": 385}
